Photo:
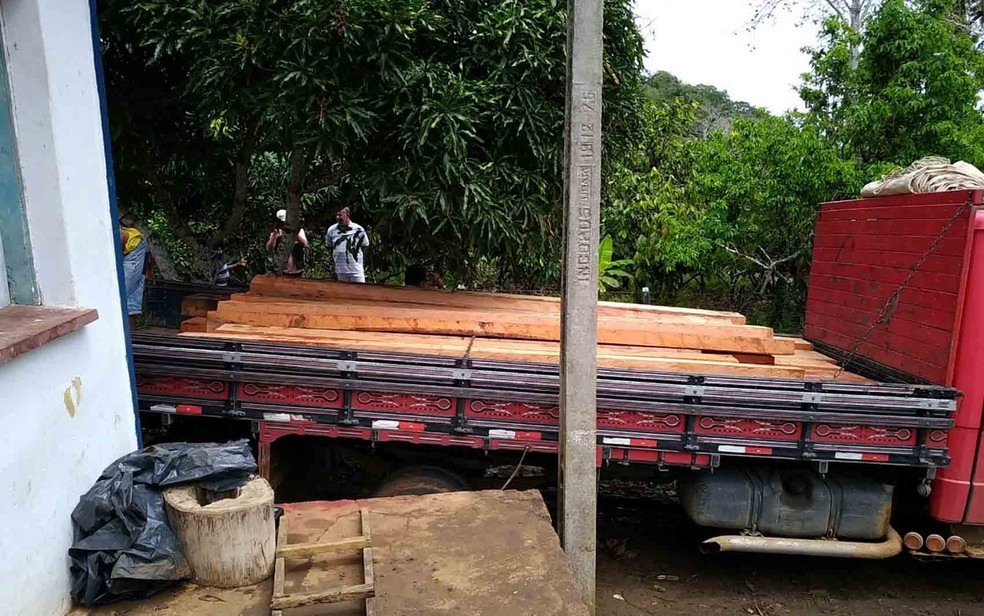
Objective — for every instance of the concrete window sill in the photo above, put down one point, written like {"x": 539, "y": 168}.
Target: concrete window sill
{"x": 23, "y": 328}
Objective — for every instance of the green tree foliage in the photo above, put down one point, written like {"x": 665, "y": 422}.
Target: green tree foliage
{"x": 438, "y": 122}
{"x": 915, "y": 91}
{"x": 759, "y": 188}
{"x": 715, "y": 108}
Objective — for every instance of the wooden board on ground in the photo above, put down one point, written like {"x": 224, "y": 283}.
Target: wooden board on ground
{"x": 496, "y": 551}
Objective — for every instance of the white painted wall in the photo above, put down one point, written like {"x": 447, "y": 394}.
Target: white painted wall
{"x": 48, "y": 455}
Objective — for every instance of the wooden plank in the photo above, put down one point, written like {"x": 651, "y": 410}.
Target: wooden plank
{"x": 366, "y": 530}
{"x": 198, "y": 305}
{"x": 370, "y": 579}
{"x": 749, "y": 358}
{"x": 798, "y": 343}
{"x": 454, "y": 345}
{"x": 367, "y": 572}
{"x": 476, "y": 311}
{"x": 303, "y": 550}
{"x": 357, "y": 592}
{"x": 337, "y": 291}
{"x": 279, "y": 566}
{"x": 608, "y": 356}
{"x": 194, "y": 324}
{"x": 733, "y": 338}
{"x": 24, "y": 328}
{"x": 805, "y": 359}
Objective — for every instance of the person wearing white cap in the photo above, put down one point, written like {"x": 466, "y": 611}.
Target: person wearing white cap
{"x": 295, "y": 263}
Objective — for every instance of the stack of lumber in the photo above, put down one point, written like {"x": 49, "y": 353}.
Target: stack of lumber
{"x": 503, "y": 327}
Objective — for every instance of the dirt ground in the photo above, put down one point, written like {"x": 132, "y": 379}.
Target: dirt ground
{"x": 648, "y": 563}
{"x": 459, "y": 554}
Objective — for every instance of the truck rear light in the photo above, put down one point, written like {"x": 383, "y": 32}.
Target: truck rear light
{"x": 956, "y": 545}
{"x": 913, "y": 541}
{"x": 935, "y": 543}
{"x": 163, "y": 408}
{"x": 188, "y": 409}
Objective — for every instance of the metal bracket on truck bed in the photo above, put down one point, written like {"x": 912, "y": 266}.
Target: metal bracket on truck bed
{"x": 661, "y": 413}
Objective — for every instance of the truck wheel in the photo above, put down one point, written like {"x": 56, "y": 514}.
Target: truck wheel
{"x": 421, "y": 480}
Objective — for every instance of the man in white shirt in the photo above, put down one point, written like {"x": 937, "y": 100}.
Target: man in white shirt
{"x": 348, "y": 241}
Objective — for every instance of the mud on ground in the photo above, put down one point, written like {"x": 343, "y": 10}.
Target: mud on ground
{"x": 648, "y": 564}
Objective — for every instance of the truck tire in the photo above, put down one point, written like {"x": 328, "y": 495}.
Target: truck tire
{"x": 417, "y": 480}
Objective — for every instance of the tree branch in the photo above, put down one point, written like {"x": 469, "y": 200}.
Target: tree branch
{"x": 324, "y": 176}
{"x": 163, "y": 196}
{"x": 295, "y": 190}
{"x": 241, "y": 166}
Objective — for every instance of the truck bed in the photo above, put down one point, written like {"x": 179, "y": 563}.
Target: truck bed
{"x": 665, "y": 418}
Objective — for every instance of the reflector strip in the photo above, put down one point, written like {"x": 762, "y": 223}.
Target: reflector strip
{"x": 514, "y": 435}
{"x": 631, "y": 442}
{"x": 756, "y": 451}
{"x": 389, "y": 424}
{"x": 861, "y": 457}
{"x": 163, "y": 408}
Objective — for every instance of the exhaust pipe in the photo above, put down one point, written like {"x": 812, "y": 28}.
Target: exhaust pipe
{"x": 890, "y": 546}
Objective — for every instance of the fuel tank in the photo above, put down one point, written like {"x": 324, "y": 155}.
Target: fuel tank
{"x": 788, "y": 502}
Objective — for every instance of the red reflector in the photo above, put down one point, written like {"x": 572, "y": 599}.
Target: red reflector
{"x": 874, "y": 457}
{"x": 759, "y": 451}
{"x": 188, "y": 409}
{"x": 528, "y": 436}
{"x": 412, "y": 427}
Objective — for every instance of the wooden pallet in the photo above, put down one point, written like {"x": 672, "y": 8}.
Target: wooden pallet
{"x": 359, "y": 592}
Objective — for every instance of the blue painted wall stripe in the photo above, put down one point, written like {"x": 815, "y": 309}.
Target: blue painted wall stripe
{"x": 113, "y": 207}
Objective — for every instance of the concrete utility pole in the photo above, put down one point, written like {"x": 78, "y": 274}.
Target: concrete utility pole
{"x": 579, "y": 304}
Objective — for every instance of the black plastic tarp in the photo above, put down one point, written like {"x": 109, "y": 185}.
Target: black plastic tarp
{"x": 123, "y": 547}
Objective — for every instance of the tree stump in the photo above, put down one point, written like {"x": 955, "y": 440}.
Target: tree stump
{"x": 229, "y": 542}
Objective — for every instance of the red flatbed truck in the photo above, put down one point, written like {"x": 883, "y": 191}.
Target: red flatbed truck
{"x": 896, "y": 292}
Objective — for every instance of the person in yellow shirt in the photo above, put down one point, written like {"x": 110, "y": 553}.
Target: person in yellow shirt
{"x": 134, "y": 258}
